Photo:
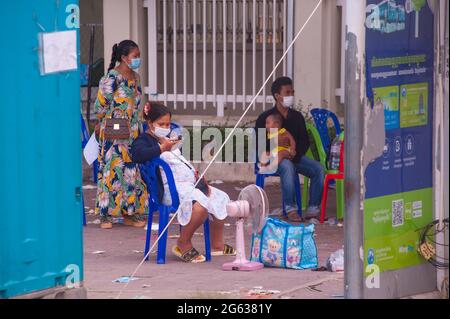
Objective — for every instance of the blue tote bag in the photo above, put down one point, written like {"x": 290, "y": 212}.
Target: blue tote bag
{"x": 283, "y": 245}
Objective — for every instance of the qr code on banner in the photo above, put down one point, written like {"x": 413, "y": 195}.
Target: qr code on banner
{"x": 398, "y": 213}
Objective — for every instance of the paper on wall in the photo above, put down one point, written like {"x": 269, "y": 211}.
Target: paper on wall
{"x": 58, "y": 51}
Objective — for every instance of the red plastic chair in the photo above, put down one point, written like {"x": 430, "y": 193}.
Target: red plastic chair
{"x": 330, "y": 177}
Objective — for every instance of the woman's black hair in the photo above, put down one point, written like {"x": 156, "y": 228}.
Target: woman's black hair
{"x": 156, "y": 111}
{"x": 118, "y": 50}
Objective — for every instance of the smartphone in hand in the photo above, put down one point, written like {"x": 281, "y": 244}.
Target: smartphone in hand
{"x": 176, "y": 138}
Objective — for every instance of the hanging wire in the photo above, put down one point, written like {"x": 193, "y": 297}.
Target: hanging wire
{"x": 430, "y": 231}
{"x": 225, "y": 142}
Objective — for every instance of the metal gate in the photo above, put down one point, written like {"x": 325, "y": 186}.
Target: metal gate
{"x": 212, "y": 56}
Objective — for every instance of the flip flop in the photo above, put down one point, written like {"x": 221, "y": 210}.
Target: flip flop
{"x": 191, "y": 256}
{"x": 293, "y": 217}
{"x": 227, "y": 251}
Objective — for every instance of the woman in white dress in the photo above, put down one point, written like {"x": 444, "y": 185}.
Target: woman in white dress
{"x": 196, "y": 203}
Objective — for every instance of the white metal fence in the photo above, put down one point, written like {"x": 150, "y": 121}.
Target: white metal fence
{"x": 213, "y": 55}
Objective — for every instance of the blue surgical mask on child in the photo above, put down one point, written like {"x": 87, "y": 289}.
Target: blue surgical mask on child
{"x": 161, "y": 132}
{"x": 135, "y": 63}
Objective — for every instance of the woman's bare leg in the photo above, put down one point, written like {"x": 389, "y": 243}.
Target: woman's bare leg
{"x": 199, "y": 215}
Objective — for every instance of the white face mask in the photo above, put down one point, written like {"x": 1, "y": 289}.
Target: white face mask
{"x": 161, "y": 132}
{"x": 288, "y": 101}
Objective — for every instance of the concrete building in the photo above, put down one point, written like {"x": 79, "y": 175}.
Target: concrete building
{"x": 315, "y": 63}
{"x": 188, "y": 65}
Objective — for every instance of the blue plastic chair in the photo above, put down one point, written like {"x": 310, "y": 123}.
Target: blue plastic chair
{"x": 85, "y": 139}
{"x": 321, "y": 117}
{"x": 150, "y": 177}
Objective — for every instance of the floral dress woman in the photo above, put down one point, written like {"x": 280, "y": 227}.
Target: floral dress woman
{"x": 120, "y": 189}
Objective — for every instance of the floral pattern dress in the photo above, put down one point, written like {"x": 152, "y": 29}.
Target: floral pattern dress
{"x": 120, "y": 189}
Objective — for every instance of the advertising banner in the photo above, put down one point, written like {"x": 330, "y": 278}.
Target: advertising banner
{"x": 399, "y": 65}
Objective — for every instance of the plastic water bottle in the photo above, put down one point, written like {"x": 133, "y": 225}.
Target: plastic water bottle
{"x": 335, "y": 154}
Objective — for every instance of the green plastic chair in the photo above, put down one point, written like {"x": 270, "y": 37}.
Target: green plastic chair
{"x": 317, "y": 152}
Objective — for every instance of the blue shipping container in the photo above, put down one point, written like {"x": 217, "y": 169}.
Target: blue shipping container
{"x": 40, "y": 160}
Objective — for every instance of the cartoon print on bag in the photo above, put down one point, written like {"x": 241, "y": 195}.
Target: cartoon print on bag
{"x": 272, "y": 255}
{"x": 293, "y": 256}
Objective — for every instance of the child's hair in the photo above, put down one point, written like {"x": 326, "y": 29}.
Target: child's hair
{"x": 276, "y": 119}
{"x": 118, "y": 50}
{"x": 156, "y": 111}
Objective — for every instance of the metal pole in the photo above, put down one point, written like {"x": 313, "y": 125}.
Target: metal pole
{"x": 290, "y": 35}
{"x": 354, "y": 123}
{"x": 91, "y": 62}
{"x": 441, "y": 135}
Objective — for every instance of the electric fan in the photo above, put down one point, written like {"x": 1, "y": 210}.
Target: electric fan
{"x": 251, "y": 207}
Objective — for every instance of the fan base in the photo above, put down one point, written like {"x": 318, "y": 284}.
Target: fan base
{"x": 248, "y": 266}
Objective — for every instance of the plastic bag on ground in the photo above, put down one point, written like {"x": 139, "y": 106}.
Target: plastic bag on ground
{"x": 335, "y": 262}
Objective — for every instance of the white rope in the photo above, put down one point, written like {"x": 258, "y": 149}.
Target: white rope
{"x": 441, "y": 98}
{"x": 226, "y": 140}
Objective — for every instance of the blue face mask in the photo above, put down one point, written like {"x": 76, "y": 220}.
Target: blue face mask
{"x": 135, "y": 63}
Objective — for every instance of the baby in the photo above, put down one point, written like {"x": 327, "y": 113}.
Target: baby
{"x": 269, "y": 161}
